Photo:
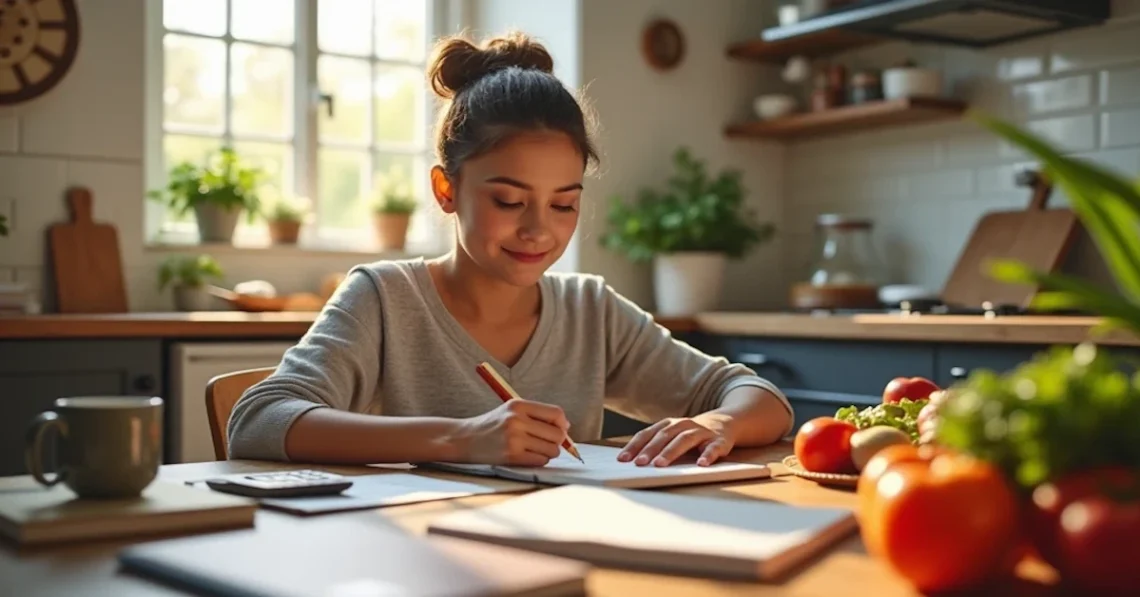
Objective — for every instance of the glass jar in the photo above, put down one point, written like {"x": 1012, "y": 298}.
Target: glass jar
{"x": 846, "y": 272}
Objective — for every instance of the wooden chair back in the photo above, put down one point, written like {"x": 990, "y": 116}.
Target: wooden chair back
{"x": 222, "y": 393}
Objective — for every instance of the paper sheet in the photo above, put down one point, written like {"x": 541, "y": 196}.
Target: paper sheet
{"x": 374, "y": 491}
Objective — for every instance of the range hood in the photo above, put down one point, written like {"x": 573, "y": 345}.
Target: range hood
{"x": 971, "y": 23}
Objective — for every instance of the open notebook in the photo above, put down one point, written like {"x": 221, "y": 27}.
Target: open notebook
{"x": 602, "y": 468}
{"x": 734, "y": 538}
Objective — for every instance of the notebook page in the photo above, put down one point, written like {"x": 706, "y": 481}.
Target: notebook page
{"x": 603, "y": 468}
{"x": 651, "y": 521}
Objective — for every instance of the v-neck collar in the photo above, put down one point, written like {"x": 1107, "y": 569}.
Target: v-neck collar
{"x": 459, "y": 334}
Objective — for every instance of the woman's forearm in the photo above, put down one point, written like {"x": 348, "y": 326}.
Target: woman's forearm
{"x": 753, "y": 416}
{"x": 332, "y": 436}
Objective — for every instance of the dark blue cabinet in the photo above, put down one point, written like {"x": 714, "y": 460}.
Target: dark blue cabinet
{"x": 33, "y": 373}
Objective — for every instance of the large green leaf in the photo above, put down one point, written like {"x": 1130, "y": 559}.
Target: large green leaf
{"x": 1107, "y": 205}
{"x": 1060, "y": 292}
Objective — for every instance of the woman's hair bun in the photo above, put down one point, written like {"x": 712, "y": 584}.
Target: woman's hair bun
{"x": 457, "y": 63}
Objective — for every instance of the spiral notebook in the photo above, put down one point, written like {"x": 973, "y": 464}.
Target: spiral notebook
{"x": 603, "y": 468}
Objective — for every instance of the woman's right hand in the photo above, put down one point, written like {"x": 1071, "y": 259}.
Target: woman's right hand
{"x": 517, "y": 432}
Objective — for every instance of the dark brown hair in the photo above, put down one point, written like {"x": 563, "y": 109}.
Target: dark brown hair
{"x": 505, "y": 87}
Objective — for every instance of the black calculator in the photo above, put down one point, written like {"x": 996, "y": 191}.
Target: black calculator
{"x": 280, "y": 484}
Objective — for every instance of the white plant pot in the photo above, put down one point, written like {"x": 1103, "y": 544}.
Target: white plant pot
{"x": 193, "y": 298}
{"x": 688, "y": 283}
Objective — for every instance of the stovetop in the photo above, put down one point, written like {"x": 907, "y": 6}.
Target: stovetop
{"x": 906, "y": 308}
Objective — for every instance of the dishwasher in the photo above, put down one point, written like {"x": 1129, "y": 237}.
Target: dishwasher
{"x": 192, "y": 366}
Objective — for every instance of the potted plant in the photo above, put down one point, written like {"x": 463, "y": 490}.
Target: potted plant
{"x": 688, "y": 230}
{"x": 217, "y": 192}
{"x": 188, "y": 276}
{"x": 284, "y": 218}
{"x": 391, "y": 215}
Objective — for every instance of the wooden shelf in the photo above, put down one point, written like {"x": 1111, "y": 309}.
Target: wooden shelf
{"x": 811, "y": 45}
{"x": 850, "y": 118}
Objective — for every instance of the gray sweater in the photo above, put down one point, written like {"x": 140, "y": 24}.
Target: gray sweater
{"x": 386, "y": 345}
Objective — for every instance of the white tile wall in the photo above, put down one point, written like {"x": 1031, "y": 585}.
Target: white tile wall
{"x": 926, "y": 186}
{"x": 9, "y": 134}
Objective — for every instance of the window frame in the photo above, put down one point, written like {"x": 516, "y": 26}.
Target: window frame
{"x": 443, "y": 17}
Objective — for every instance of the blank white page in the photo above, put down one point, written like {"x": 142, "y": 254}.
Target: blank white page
{"x": 650, "y": 521}
{"x": 603, "y": 468}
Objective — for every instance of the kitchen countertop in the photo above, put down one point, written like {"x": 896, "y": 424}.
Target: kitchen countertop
{"x": 1009, "y": 329}
{"x": 1021, "y": 329}
{"x": 211, "y": 324}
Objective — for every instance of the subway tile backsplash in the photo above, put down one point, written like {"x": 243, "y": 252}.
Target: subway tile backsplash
{"x": 925, "y": 186}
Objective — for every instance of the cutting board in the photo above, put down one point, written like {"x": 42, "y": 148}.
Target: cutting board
{"x": 86, "y": 264}
{"x": 1036, "y": 236}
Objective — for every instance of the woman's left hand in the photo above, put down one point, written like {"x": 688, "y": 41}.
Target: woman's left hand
{"x": 667, "y": 440}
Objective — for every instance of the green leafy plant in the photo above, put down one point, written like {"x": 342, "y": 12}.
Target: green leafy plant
{"x": 286, "y": 210}
{"x": 393, "y": 196}
{"x": 1109, "y": 207}
{"x": 3, "y": 225}
{"x": 224, "y": 180}
{"x": 694, "y": 212}
{"x": 190, "y": 271}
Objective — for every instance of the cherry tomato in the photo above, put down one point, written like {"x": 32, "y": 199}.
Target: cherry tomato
{"x": 913, "y": 388}
{"x": 823, "y": 445}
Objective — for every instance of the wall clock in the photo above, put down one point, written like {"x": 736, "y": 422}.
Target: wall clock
{"x": 662, "y": 44}
{"x": 38, "y": 42}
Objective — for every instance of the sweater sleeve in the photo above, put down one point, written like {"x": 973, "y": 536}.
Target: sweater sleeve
{"x": 335, "y": 364}
{"x": 651, "y": 375}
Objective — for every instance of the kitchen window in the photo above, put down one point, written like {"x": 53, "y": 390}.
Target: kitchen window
{"x": 328, "y": 97}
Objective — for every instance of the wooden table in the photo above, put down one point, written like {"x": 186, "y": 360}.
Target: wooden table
{"x": 91, "y": 568}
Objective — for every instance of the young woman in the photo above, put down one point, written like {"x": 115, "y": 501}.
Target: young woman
{"x": 387, "y": 371}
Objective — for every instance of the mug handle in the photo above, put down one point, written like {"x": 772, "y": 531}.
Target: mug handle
{"x": 34, "y": 450}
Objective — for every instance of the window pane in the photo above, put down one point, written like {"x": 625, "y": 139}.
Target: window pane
{"x": 182, "y": 148}
{"x": 348, "y": 81}
{"x": 342, "y": 202}
{"x": 194, "y": 88}
{"x": 400, "y": 29}
{"x": 399, "y": 104}
{"x": 344, "y": 26}
{"x": 270, "y": 21}
{"x": 207, "y": 17}
{"x": 276, "y": 163}
{"x": 262, "y": 87}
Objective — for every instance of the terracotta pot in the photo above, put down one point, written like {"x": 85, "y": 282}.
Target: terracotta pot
{"x": 284, "y": 232}
{"x": 391, "y": 230}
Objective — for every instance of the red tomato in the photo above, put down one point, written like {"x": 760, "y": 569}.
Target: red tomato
{"x": 823, "y": 445}
{"x": 946, "y": 524}
{"x": 1099, "y": 545}
{"x": 1050, "y": 499}
{"x": 913, "y": 388}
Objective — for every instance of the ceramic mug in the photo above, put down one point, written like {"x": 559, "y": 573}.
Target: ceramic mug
{"x": 106, "y": 446}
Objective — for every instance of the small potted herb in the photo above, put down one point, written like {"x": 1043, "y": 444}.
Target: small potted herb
{"x": 392, "y": 213}
{"x": 217, "y": 192}
{"x": 188, "y": 276}
{"x": 688, "y": 230}
{"x": 284, "y": 218}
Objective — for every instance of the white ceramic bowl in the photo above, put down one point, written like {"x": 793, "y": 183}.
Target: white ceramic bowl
{"x": 911, "y": 82}
{"x": 774, "y": 105}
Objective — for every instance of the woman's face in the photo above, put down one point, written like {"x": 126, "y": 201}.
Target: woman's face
{"x": 516, "y": 206}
